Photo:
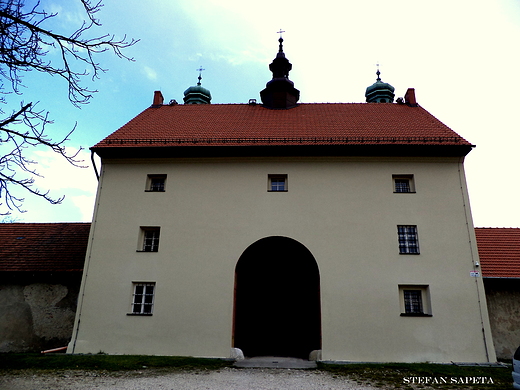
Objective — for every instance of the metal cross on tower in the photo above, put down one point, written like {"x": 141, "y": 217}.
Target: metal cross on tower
{"x": 280, "y": 47}
{"x": 200, "y": 74}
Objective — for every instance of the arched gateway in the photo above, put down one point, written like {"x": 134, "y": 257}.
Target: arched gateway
{"x": 277, "y": 300}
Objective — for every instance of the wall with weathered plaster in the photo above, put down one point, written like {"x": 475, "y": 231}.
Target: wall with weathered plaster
{"x": 503, "y": 299}
{"x": 36, "y": 315}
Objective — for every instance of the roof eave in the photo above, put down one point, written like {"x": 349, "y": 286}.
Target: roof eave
{"x": 410, "y": 150}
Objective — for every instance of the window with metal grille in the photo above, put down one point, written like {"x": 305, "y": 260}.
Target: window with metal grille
{"x": 143, "y": 298}
{"x": 408, "y": 240}
{"x": 156, "y": 183}
{"x": 413, "y": 301}
{"x": 403, "y": 184}
{"x": 277, "y": 183}
{"x": 151, "y": 239}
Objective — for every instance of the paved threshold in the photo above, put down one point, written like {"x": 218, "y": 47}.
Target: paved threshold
{"x": 275, "y": 362}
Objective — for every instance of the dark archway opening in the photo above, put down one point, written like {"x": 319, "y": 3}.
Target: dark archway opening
{"x": 277, "y": 300}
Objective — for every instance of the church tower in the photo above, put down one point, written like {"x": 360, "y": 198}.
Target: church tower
{"x": 380, "y": 92}
{"x": 279, "y": 93}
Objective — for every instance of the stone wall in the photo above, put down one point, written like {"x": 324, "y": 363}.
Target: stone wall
{"x": 503, "y": 300}
{"x": 37, "y": 311}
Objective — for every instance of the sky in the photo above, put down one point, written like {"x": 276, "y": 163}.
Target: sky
{"x": 460, "y": 56}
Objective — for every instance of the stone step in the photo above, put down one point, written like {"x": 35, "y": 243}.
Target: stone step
{"x": 275, "y": 362}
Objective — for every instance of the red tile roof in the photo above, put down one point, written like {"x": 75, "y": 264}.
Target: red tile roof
{"x": 499, "y": 252}
{"x": 48, "y": 247}
{"x": 306, "y": 124}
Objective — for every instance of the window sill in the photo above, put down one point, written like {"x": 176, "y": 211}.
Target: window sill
{"x": 138, "y": 251}
{"x": 277, "y": 191}
{"x": 154, "y": 191}
{"x": 140, "y": 314}
{"x": 409, "y": 254}
{"x": 416, "y": 315}
{"x": 409, "y": 192}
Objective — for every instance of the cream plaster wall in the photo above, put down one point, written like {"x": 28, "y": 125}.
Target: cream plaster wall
{"x": 342, "y": 209}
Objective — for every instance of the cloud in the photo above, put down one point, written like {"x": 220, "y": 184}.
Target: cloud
{"x": 85, "y": 205}
{"x": 150, "y": 73}
{"x": 61, "y": 178}
{"x": 57, "y": 173}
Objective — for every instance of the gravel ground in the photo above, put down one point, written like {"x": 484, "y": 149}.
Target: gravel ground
{"x": 225, "y": 379}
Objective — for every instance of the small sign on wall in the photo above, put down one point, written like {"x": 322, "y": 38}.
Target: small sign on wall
{"x": 474, "y": 274}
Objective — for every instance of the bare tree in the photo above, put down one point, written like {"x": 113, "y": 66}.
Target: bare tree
{"x": 25, "y": 42}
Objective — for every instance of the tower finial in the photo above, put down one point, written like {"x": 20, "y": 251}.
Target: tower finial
{"x": 379, "y": 92}
{"x": 280, "y": 48}
{"x": 200, "y": 74}
{"x": 197, "y": 94}
{"x": 280, "y": 92}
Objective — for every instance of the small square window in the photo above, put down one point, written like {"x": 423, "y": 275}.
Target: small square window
{"x": 414, "y": 301}
{"x": 408, "y": 239}
{"x": 143, "y": 298}
{"x": 277, "y": 183}
{"x": 403, "y": 184}
{"x": 155, "y": 183}
{"x": 149, "y": 240}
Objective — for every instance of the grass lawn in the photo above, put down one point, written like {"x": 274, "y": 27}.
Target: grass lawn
{"x": 105, "y": 362}
{"x": 390, "y": 375}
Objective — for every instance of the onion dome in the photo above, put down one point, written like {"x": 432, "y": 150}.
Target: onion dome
{"x": 380, "y": 92}
{"x": 280, "y": 92}
{"x": 197, "y": 94}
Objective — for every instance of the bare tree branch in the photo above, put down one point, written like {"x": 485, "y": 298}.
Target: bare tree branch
{"x": 15, "y": 168}
{"x": 25, "y": 42}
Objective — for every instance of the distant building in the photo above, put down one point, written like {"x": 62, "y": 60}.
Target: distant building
{"x": 40, "y": 273}
{"x": 330, "y": 231}
{"x": 499, "y": 251}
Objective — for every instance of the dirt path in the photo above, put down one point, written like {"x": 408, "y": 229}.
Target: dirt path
{"x": 225, "y": 379}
